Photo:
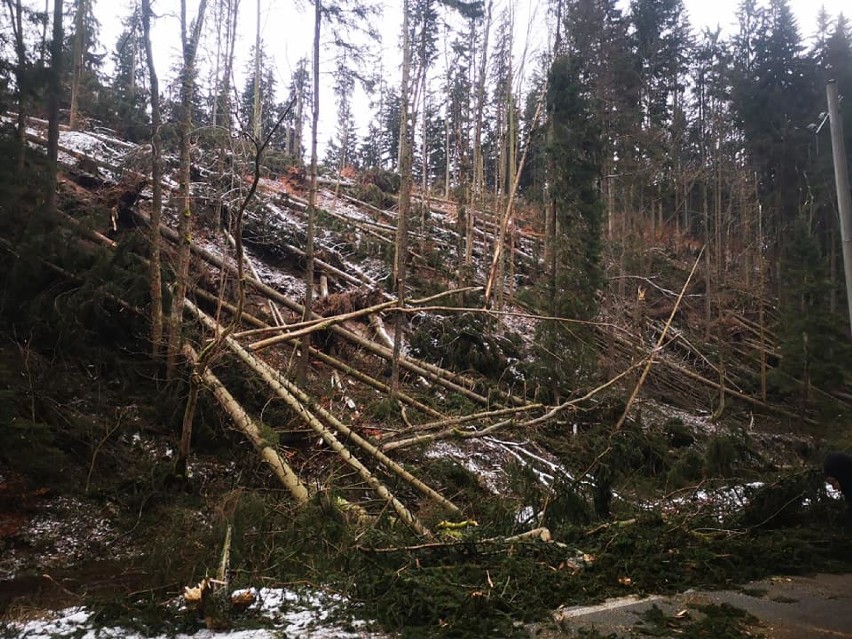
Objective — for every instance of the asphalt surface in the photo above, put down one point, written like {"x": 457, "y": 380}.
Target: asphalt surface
{"x": 813, "y": 607}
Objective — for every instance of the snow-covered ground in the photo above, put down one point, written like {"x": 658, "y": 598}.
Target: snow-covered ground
{"x": 305, "y": 615}
{"x": 64, "y": 530}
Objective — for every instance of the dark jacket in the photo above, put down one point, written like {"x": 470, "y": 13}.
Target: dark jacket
{"x": 839, "y": 466}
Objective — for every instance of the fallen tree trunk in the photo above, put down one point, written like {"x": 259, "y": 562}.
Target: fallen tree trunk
{"x": 323, "y": 357}
{"x": 430, "y": 371}
{"x": 247, "y": 426}
{"x": 368, "y": 447}
{"x": 350, "y": 435}
{"x": 270, "y": 377}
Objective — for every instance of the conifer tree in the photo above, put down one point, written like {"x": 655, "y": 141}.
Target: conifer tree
{"x": 22, "y": 73}
{"x": 129, "y": 97}
{"x": 84, "y": 63}
{"x": 570, "y": 290}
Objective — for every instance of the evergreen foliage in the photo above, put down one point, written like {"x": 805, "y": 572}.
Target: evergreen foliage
{"x": 571, "y": 288}
{"x": 461, "y": 342}
{"x": 129, "y": 97}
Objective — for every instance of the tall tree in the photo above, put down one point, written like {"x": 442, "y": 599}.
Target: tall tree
{"x": 156, "y": 187}
{"x": 774, "y": 97}
{"x": 300, "y": 94}
{"x": 85, "y": 60}
{"x": 226, "y": 14}
{"x": 304, "y": 362}
{"x": 190, "y": 35}
{"x": 22, "y": 75}
{"x": 476, "y": 179}
{"x": 257, "y": 104}
{"x": 596, "y": 37}
{"x": 54, "y": 97}
{"x": 129, "y": 96}
{"x": 342, "y": 17}
{"x": 575, "y": 151}
{"x": 341, "y": 150}
{"x": 77, "y": 61}
{"x": 405, "y": 158}
{"x": 661, "y": 42}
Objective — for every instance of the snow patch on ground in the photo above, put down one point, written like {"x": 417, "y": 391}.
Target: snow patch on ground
{"x": 479, "y": 460}
{"x": 304, "y": 615}
{"x": 488, "y": 458}
{"x": 699, "y": 423}
{"x": 64, "y": 530}
{"x": 720, "y": 501}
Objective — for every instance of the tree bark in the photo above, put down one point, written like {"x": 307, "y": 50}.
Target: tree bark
{"x": 16, "y": 13}
{"x": 305, "y": 360}
{"x": 256, "y": 110}
{"x": 271, "y": 378}
{"x": 249, "y": 428}
{"x": 189, "y": 42}
{"x": 157, "y": 189}
{"x": 507, "y": 215}
{"x": 404, "y": 199}
{"x": 54, "y": 97}
{"x": 478, "y": 168}
{"x": 77, "y": 61}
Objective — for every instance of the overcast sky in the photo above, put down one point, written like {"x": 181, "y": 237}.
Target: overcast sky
{"x": 287, "y": 32}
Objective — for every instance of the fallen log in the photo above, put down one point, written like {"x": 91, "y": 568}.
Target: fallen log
{"x": 451, "y": 381}
{"x": 247, "y": 426}
{"x": 350, "y": 435}
{"x": 270, "y": 377}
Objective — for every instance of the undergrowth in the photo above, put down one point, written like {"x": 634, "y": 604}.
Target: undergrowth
{"x": 466, "y": 584}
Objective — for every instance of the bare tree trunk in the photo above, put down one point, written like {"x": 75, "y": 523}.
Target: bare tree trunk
{"x": 157, "y": 189}
{"x": 189, "y": 42}
{"x": 447, "y": 157}
{"x": 297, "y": 126}
{"x": 225, "y": 17}
{"x": 404, "y": 199}
{"x": 256, "y": 112}
{"x": 761, "y": 293}
{"x": 54, "y": 96}
{"x": 284, "y": 390}
{"x": 507, "y": 215}
{"x": 43, "y": 47}
{"x": 16, "y": 13}
{"x": 305, "y": 360}
{"x": 77, "y": 54}
{"x": 478, "y": 176}
{"x": 233, "y": 9}
{"x": 213, "y": 347}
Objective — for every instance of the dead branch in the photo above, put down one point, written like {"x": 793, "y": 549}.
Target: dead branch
{"x": 658, "y": 346}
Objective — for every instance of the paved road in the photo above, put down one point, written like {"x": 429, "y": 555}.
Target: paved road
{"x": 815, "y": 607}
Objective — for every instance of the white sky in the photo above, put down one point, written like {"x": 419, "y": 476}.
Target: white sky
{"x": 287, "y": 31}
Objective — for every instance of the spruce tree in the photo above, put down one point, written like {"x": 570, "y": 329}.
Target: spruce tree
{"x": 570, "y": 291}
{"x": 129, "y": 96}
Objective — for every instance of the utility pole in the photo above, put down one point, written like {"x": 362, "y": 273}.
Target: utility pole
{"x": 841, "y": 178}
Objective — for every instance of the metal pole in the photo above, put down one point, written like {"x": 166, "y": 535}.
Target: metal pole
{"x": 841, "y": 178}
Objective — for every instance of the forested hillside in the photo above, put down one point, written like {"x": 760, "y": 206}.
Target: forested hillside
{"x": 538, "y": 328}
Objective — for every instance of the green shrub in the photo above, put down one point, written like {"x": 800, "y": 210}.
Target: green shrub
{"x": 463, "y": 342}
{"x": 687, "y": 470}
{"x": 678, "y": 434}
